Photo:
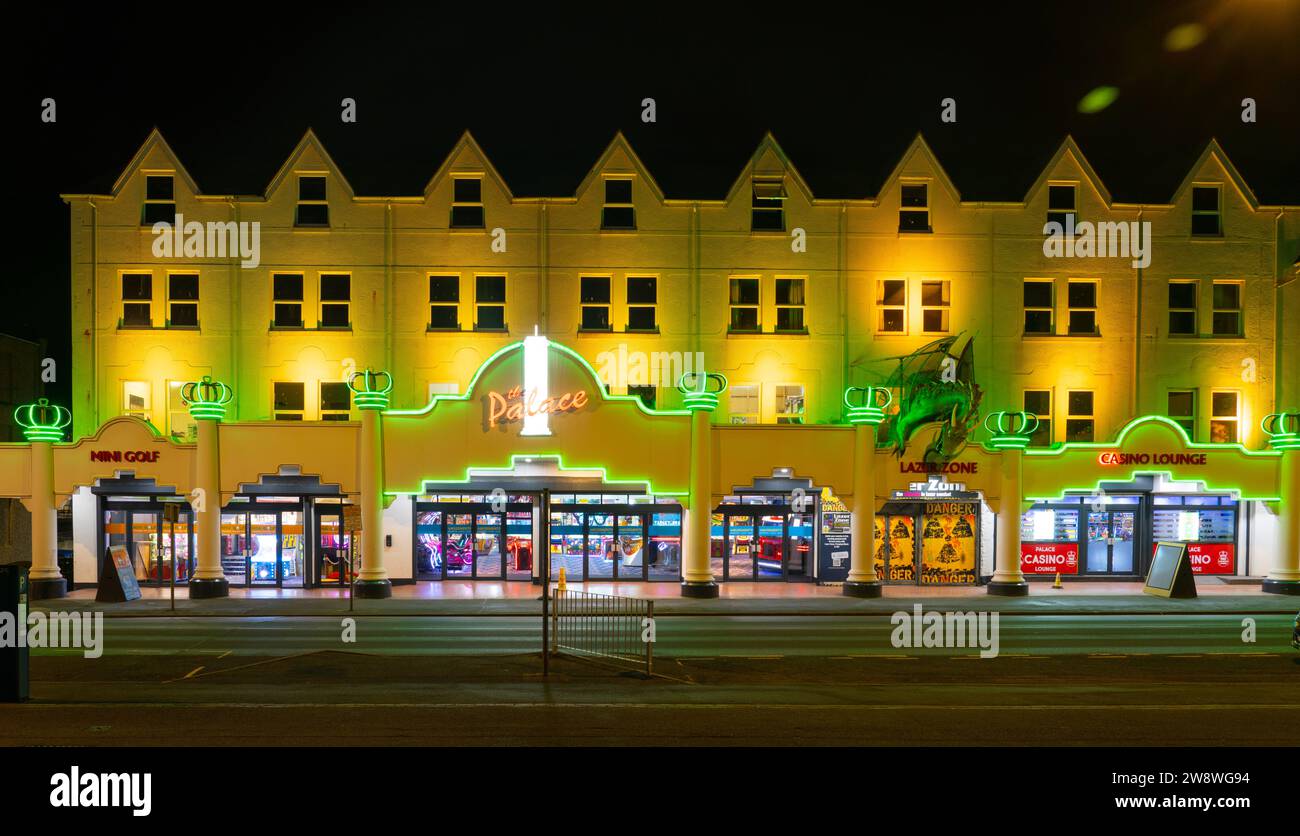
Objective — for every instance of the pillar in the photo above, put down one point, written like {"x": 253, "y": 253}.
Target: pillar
{"x": 43, "y": 424}
{"x": 1283, "y": 430}
{"x": 865, "y": 417}
{"x": 207, "y": 400}
{"x": 370, "y": 390}
{"x": 1011, "y": 434}
{"x": 697, "y": 575}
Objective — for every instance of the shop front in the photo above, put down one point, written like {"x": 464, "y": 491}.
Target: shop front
{"x": 160, "y": 549}
{"x": 765, "y": 536}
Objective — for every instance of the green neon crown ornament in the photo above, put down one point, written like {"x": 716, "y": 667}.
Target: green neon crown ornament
{"x": 1011, "y": 430}
{"x": 42, "y": 421}
{"x": 1282, "y": 429}
{"x": 696, "y": 392}
{"x": 370, "y": 388}
{"x": 870, "y": 409}
{"x": 207, "y": 398}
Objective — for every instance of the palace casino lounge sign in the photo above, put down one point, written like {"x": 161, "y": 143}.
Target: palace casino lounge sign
{"x": 1049, "y": 558}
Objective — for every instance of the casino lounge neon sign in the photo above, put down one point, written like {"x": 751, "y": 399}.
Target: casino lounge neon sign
{"x": 1113, "y": 459}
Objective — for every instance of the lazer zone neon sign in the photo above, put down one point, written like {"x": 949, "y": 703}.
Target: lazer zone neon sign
{"x": 532, "y": 403}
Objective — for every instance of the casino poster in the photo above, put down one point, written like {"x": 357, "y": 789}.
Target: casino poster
{"x": 948, "y": 547}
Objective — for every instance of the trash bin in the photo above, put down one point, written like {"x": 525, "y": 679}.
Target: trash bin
{"x": 13, "y": 608}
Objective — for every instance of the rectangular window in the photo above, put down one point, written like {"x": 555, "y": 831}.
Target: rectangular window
{"x": 444, "y": 303}
{"x": 914, "y": 209}
{"x": 594, "y": 303}
{"x": 1227, "y": 309}
{"x": 137, "y": 300}
{"x": 290, "y": 401}
{"x": 286, "y": 295}
{"x": 789, "y": 403}
{"x": 1038, "y": 403}
{"x": 743, "y": 398}
{"x": 768, "y": 207}
{"x": 1040, "y": 306}
{"x": 1182, "y": 410}
{"x": 1062, "y": 201}
{"x": 490, "y": 303}
{"x": 744, "y": 306}
{"x": 1079, "y": 423}
{"x": 1207, "y": 218}
{"x": 183, "y": 300}
{"x": 645, "y": 393}
{"x": 467, "y": 203}
{"x": 891, "y": 302}
{"x": 312, "y": 209}
{"x": 1225, "y": 418}
{"x": 642, "y": 298}
{"x": 335, "y": 300}
{"x": 137, "y": 399}
{"x": 789, "y": 305}
{"x": 1082, "y": 299}
{"x": 934, "y": 307}
{"x": 335, "y": 401}
{"x": 618, "y": 212}
{"x": 179, "y": 423}
{"x": 159, "y": 200}
{"x": 443, "y": 389}
{"x": 1182, "y": 309}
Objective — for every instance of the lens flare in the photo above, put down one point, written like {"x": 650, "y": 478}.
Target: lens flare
{"x": 1098, "y": 99}
{"x": 1184, "y": 37}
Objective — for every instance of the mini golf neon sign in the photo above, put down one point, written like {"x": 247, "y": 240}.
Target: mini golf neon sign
{"x": 532, "y": 402}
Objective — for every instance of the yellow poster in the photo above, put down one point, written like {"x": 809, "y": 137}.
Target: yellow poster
{"x": 902, "y": 549}
{"x": 948, "y": 549}
{"x": 878, "y": 550}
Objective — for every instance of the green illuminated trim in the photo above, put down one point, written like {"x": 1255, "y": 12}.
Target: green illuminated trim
{"x": 1009, "y": 442}
{"x": 1133, "y": 474}
{"x": 42, "y": 420}
{"x": 1010, "y": 430}
{"x": 870, "y": 410}
{"x": 368, "y": 397}
{"x": 1275, "y": 426}
{"x": 1057, "y": 450}
{"x": 559, "y": 457}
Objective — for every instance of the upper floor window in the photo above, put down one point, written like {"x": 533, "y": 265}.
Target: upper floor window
{"x": 1227, "y": 309}
{"x": 891, "y": 302}
{"x": 1080, "y": 423}
{"x": 642, "y": 299}
{"x": 935, "y": 303}
{"x": 744, "y": 305}
{"x": 1182, "y": 309}
{"x": 490, "y": 303}
{"x": 159, "y": 199}
{"x": 180, "y": 424}
{"x": 312, "y": 210}
{"x": 743, "y": 403}
{"x": 1062, "y": 201}
{"x": 137, "y": 300}
{"x": 1225, "y": 417}
{"x": 1082, "y": 297}
{"x": 789, "y": 405}
{"x": 137, "y": 398}
{"x": 467, "y": 203}
{"x": 335, "y": 401}
{"x": 914, "y": 210}
{"x": 286, "y": 294}
{"x": 768, "y": 208}
{"x": 618, "y": 212}
{"x": 444, "y": 303}
{"x": 1040, "y": 306}
{"x": 183, "y": 300}
{"x": 289, "y": 400}
{"x": 595, "y": 303}
{"x": 789, "y": 305}
{"x": 335, "y": 300}
{"x": 1207, "y": 217}
{"x": 1038, "y": 403}
{"x": 1182, "y": 410}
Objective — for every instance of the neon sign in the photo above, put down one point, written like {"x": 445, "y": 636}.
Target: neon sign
{"x": 1149, "y": 458}
{"x": 516, "y": 406}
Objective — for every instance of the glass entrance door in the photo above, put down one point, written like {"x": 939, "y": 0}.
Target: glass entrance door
{"x": 264, "y": 549}
{"x": 1111, "y": 536}
{"x": 334, "y": 549}
{"x": 235, "y": 548}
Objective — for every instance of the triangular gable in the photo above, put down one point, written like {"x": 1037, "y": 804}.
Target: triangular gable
{"x": 1213, "y": 149}
{"x": 921, "y": 147}
{"x": 1069, "y": 146}
{"x": 309, "y": 140}
{"x": 154, "y": 140}
{"x": 466, "y": 144}
{"x": 768, "y": 145}
{"x": 619, "y": 143}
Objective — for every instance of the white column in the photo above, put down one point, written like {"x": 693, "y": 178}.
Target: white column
{"x": 209, "y": 579}
{"x": 1007, "y": 577}
{"x": 697, "y": 576}
{"x": 44, "y": 579}
{"x": 372, "y": 580}
{"x": 863, "y": 581}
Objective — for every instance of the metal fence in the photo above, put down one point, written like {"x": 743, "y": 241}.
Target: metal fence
{"x": 607, "y": 627}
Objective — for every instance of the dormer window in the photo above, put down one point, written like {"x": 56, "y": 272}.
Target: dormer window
{"x": 914, "y": 208}
{"x": 618, "y": 212}
{"x": 1062, "y": 202}
{"x": 159, "y": 200}
{"x": 312, "y": 209}
{"x": 467, "y": 203}
{"x": 1207, "y": 218}
{"x": 768, "y": 212}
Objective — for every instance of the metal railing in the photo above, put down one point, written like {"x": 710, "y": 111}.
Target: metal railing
{"x": 607, "y": 627}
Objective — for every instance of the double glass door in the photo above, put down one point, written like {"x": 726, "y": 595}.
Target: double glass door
{"x": 334, "y": 553}
{"x": 605, "y": 543}
{"x": 1111, "y": 536}
{"x": 761, "y": 543}
{"x": 263, "y": 547}
{"x": 159, "y": 549}
{"x": 473, "y": 541}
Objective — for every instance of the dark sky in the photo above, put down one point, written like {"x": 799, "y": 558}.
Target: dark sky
{"x": 843, "y": 93}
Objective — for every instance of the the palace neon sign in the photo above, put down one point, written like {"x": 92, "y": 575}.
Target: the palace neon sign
{"x": 516, "y": 406}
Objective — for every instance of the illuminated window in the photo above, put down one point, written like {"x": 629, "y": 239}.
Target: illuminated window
{"x": 744, "y": 306}
{"x": 744, "y": 404}
{"x": 312, "y": 209}
{"x": 1082, "y": 299}
{"x": 490, "y": 303}
{"x": 595, "y": 303}
{"x": 647, "y": 394}
{"x": 1227, "y": 309}
{"x": 137, "y": 300}
{"x": 642, "y": 296}
{"x": 1038, "y": 403}
{"x": 137, "y": 398}
{"x": 1182, "y": 309}
{"x": 159, "y": 200}
{"x": 1079, "y": 422}
{"x": 768, "y": 208}
{"x": 335, "y": 300}
{"x": 1062, "y": 202}
{"x": 789, "y": 305}
{"x": 789, "y": 403}
{"x": 467, "y": 203}
{"x": 179, "y": 423}
{"x": 290, "y": 401}
{"x": 287, "y": 300}
{"x": 443, "y": 389}
{"x": 618, "y": 212}
{"x": 1225, "y": 417}
{"x": 183, "y": 300}
{"x": 934, "y": 307}
{"x": 1040, "y": 306}
{"x": 891, "y": 303}
{"x": 1207, "y": 218}
{"x": 335, "y": 401}
{"x": 444, "y": 303}
{"x": 914, "y": 210}
{"x": 1182, "y": 410}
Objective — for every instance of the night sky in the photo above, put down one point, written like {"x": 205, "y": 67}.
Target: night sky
{"x": 544, "y": 94}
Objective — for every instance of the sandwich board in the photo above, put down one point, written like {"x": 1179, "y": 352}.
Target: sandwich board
{"x": 1170, "y": 575}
